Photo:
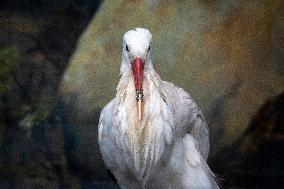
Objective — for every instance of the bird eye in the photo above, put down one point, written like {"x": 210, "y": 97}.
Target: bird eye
{"x": 149, "y": 48}
{"x": 127, "y": 48}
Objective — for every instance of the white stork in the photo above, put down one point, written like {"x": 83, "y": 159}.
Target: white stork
{"x": 152, "y": 134}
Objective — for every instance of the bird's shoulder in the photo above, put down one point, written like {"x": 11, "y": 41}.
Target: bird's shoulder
{"x": 179, "y": 98}
{"x": 188, "y": 117}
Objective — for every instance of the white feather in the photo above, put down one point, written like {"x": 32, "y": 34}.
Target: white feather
{"x": 168, "y": 148}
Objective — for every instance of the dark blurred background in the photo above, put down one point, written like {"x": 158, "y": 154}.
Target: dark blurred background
{"x": 54, "y": 56}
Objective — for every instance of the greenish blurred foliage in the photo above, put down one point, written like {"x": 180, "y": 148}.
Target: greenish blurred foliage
{"x": 9, "y": 58}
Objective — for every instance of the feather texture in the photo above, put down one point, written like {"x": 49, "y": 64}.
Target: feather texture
{"x": 167, "y": 148}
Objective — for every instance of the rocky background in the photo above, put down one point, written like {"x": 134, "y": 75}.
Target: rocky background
{"x": 59, "y": 65}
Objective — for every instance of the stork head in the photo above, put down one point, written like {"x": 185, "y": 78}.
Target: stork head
{"x": 136, "y": 56}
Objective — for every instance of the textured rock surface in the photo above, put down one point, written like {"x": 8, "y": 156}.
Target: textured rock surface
{"x": 255, "y": 160}
{"x": 227, "y": 54}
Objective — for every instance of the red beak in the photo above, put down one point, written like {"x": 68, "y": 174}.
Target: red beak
{"x": 138, "y": 69}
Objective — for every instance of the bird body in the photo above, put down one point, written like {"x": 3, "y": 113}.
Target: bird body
{"x": 159, "y": 141}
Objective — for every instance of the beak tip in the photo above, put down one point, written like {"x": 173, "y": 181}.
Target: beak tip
{"x": 139, "y": 109}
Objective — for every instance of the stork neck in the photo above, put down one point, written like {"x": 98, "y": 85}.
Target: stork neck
{"x": 142, "y": 139}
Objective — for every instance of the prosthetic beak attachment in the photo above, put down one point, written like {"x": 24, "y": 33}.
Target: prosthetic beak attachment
{"x": 138, "y": 69}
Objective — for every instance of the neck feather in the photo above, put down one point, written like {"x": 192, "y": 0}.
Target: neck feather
{"x": 143, "y": 138}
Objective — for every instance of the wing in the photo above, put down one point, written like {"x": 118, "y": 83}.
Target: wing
{"x": 106, "y": 132}
{"x": 188, "y": 117}
{"x": 198, "y": 174}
